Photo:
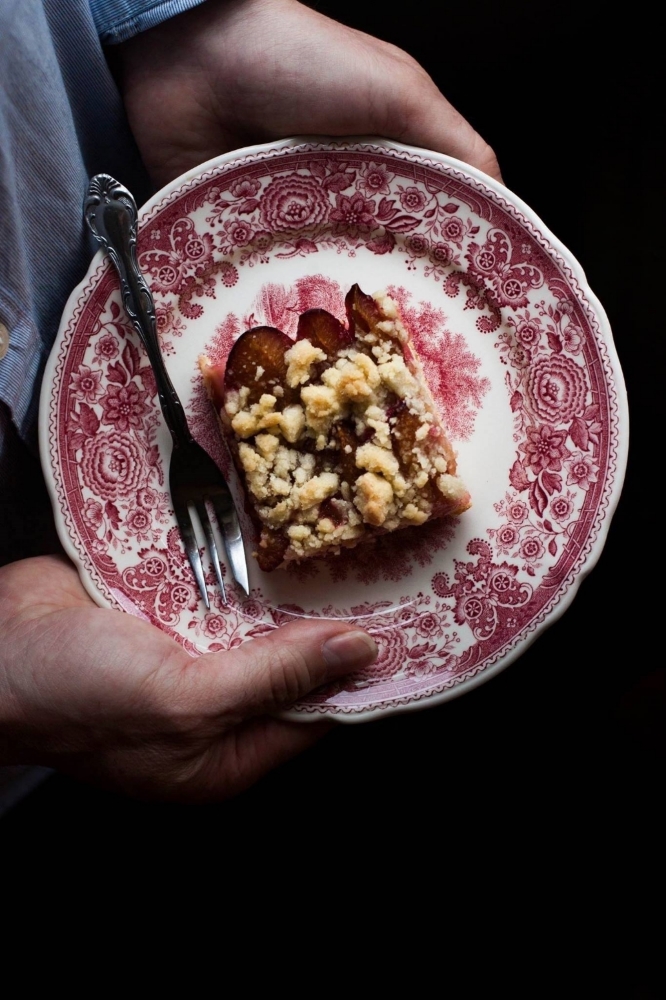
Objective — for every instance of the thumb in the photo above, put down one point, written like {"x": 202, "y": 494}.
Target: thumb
{"x": 269, "y": 673}
{"x": 420, "y": 115}
{"x": 409, "y": 107}
{"x": 437, "y": 125}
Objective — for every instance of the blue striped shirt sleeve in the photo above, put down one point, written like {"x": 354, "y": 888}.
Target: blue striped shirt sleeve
{"x": 118, "y": 20}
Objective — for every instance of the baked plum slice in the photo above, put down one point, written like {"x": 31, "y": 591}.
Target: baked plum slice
{"x": 346, "y": 438}
{"x": 257, "y": 361}
{"x": 271, "y": 549}
{"x": 404, "y": 427}
{"x": 362, "y": 311}
{"x": 323, "y": 330}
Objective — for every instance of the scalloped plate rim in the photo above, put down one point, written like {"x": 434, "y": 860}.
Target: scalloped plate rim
{"x": 413, "y": 702}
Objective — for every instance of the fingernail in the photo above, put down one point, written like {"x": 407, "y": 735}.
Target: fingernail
{"x": 351, "y": 650}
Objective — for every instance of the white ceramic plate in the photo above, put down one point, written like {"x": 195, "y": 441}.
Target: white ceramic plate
{"x": 517, "y": 350}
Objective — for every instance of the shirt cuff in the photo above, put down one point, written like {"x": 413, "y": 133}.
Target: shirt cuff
{"x": 118, "y": 20}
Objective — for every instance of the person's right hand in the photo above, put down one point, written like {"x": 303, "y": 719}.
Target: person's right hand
{"x": 107, "y": 697}
{"x": 228, "y": 73}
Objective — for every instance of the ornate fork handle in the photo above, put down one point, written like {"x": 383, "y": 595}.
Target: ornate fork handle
{"x": 110, "y": 211}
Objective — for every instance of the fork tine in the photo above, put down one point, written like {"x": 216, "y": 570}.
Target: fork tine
{"x": 233, "y": 541}
{"x": 191, "y": 548}
{"x": 210, "y": 542}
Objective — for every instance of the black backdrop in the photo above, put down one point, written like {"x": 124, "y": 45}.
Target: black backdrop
{"x": 561, "y": 751}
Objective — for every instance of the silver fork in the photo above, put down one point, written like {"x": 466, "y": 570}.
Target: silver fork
{"x": 194, "y": 478}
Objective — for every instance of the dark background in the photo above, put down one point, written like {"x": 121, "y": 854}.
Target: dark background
{"x": 561, "y": 754}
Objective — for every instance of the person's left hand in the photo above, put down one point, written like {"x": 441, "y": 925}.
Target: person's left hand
{"x": 229, "y": 73}
{"x": 105, "y": 696}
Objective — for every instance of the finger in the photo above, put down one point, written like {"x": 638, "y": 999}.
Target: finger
{"x": 417, "y": 113}
{"x": 269, "y": 673}
{"x": 437, "y": 125}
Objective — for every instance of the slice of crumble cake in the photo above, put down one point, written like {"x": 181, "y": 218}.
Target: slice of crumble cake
{"x": 336, "y": 433}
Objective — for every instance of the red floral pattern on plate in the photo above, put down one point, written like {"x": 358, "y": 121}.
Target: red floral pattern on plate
{"x": 515, "y": 349}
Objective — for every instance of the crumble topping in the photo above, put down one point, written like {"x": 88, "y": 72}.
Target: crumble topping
{"x": 337, "y": 432}
{"x": 263, "y": 416}
{"x": 300, "y": 359}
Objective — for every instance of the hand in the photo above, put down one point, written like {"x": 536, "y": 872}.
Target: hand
{"x": 109, "y": 698}
{"x": 230, "y": 73}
